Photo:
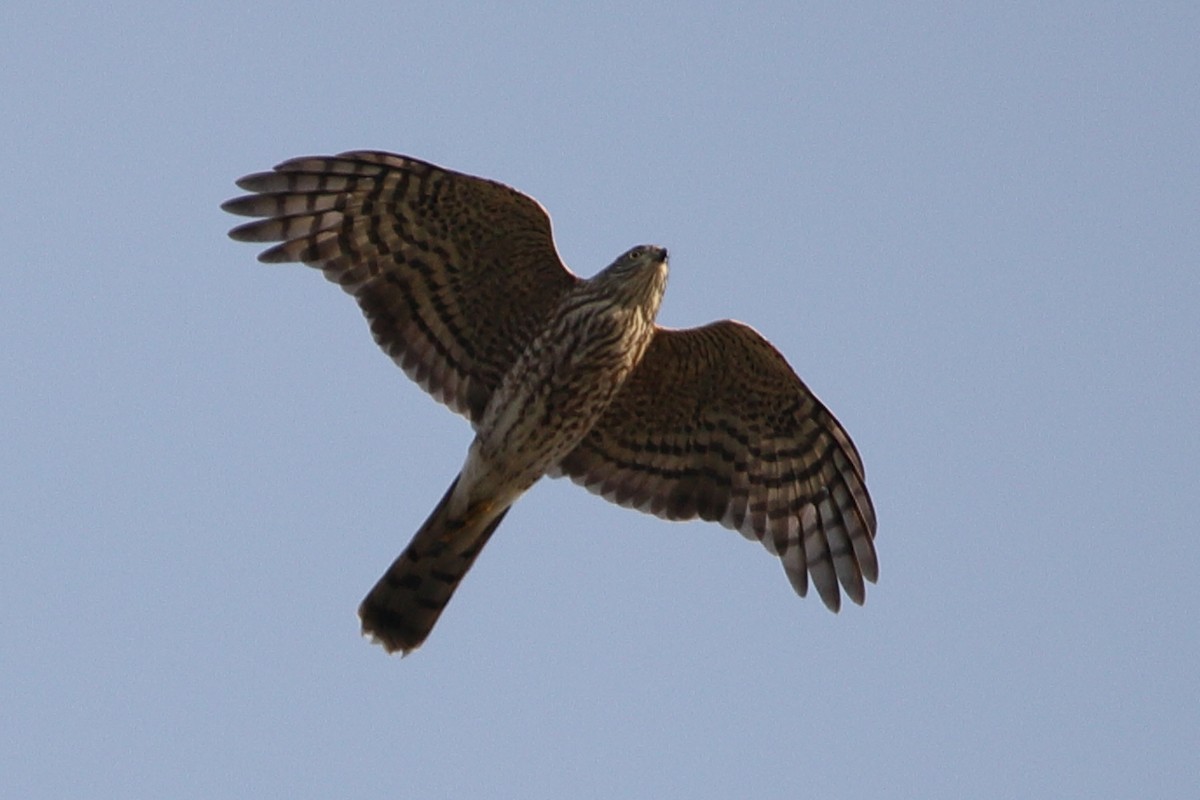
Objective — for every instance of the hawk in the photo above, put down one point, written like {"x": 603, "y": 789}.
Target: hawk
{"x": 461, "y": 283}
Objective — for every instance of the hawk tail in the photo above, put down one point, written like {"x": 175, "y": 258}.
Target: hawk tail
{"x": 403, "y": 606}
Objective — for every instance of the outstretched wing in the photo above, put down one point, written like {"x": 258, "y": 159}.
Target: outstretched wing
{"x": 454, "y": 273}
{"x": 713, "y": 423}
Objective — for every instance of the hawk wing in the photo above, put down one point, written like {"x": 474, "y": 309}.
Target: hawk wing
{"x": 713, "y": 423}
{"x": 454, "y": 273}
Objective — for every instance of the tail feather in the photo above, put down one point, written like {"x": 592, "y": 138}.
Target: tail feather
{"x": 402, "y": 608}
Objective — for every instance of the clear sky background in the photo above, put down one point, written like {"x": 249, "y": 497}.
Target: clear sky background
{"x": 972, "y": 228}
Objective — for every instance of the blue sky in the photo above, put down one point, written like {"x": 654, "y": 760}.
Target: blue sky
{"x": 971, "y": 228}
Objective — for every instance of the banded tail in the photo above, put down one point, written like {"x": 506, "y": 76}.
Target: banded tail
{"x": 402, "y": 608}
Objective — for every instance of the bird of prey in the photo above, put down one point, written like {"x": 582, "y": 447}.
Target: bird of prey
{"x": 461, "y": 283}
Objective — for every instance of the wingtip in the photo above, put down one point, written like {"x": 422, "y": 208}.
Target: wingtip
{"x": 254, "y": 182}
{"x": 279, "y": 254}
{"x": 242, "y": 233}
{"x": 831, "y": 599}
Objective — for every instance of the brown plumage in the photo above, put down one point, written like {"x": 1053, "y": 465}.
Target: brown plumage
{"x": 462, "y": 286}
